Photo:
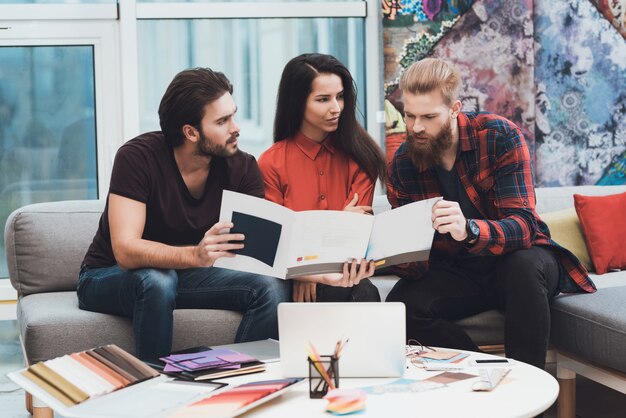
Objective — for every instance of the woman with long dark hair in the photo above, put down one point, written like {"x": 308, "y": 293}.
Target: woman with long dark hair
{"x": 323, "y": 159}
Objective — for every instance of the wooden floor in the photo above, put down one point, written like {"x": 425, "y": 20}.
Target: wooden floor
{"x": 593, "y": 400}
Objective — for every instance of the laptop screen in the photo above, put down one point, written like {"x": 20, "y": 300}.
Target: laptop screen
{"x": 376, "y": 334}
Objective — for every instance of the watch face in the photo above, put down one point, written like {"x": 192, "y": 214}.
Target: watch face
{"x": 475, "y": 229}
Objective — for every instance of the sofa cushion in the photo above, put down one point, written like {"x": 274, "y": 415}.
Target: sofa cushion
{"x": 566, "y": 231}
{"x": 614, "y": 279}
{"x": 46, "y": 242}
{"x": 550, "y": 199}
{"x": 52, "y": 325}
{"x": 593, "y": 326}
{"x": 604, "y": 225}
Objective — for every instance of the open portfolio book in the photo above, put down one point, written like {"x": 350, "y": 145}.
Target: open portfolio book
{"x": 286, "y": 244}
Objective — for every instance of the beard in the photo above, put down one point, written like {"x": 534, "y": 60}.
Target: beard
{"x": 207, "y": 148}
{"x": 428, "y": 155}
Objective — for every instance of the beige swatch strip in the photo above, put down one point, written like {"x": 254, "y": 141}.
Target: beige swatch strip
{"x": 59, "y": 382}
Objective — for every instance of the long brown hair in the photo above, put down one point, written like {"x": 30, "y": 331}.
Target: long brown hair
{"x": 294, "y": 89}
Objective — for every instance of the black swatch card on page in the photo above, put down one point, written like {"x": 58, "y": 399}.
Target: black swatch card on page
{"x": 262, "y": 237}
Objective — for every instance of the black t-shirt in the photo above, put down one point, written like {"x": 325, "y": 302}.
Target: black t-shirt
{"x": 145, "y": 170}
{"x": 452, "y": 190}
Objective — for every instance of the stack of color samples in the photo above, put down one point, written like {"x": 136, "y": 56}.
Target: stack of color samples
{"x": 77, "y": 377}
{"x": 212, "y": 363}
{"x": 345, "y": 401}
{"x": 237, "y": 400}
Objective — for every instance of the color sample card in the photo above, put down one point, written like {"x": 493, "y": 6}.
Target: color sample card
{"x": 209, "y": 363}
{"x": 235, "y": 401}
{"x": 75, "y": 378}
{"x": 449, "y": 377}
{"x": 345, "y": 401}
{"x": 439, "y": 355}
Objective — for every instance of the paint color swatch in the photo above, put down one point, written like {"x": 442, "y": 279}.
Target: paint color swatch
{"x": 75, "y": 378}
{"x": 236, "y": 401}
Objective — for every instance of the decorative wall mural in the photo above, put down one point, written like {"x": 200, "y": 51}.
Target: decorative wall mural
{"x": 615, "y": 12}
{"x": 411, "y": 30}
{"x": 581, "y": 97}
{"x": 615, "y": 173}
{"x": 532, "y": 62}
{"x": 492, "y": 46}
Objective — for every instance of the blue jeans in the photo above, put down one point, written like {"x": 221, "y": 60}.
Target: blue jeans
{"x": 149, "y": 297}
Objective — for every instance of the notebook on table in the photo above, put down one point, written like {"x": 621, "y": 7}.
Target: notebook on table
{"x": 376, "y": 333}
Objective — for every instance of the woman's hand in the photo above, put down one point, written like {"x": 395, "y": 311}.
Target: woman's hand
{"x": 352, "y": 207}
{"x": 304, "y": 291}
{"x": 353, "y": 273}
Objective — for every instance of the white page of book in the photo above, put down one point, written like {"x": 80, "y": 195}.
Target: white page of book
{"x": 329, "y": 236}
{"x": 261, "y": 208}
{"x": 404, "y": 230}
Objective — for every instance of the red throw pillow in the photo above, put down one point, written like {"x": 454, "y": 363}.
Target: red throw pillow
{"x": 603, "y": 221}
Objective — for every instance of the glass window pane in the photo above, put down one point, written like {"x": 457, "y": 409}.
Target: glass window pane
{"x": 56, "y": 1}
{"x": 252, "y": 54}
{"x": 47, "y": 127}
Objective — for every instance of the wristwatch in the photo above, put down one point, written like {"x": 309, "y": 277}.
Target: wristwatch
{"x": 473, "y": 231}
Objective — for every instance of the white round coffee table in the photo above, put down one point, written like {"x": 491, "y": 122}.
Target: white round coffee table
{"x": 525, "y": 392}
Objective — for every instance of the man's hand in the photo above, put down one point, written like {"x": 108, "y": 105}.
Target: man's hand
{"x": 215, "y": 245}
{"x": 304, "y": 291}
{"x": 353, "y": 273}
{"x": 448, "y": 219}
{"x": 352, "y": 207}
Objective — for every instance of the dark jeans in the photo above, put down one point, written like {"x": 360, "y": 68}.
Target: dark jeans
{"x": 520, "y": 283}
{"x": 365, "y": 291}
{"x": 149, "y": 297}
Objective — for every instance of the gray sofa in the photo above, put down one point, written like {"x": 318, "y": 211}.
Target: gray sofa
{"x": 46, "y": 242}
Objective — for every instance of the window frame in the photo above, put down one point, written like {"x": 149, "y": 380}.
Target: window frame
{"x": 103, "y": 37}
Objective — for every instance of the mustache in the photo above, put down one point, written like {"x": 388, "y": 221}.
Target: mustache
{"x": 233, "y": 138}
{"x": 412, "y": 137}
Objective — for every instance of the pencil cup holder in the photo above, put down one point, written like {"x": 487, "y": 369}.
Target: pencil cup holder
{"x": 320, "y": 373}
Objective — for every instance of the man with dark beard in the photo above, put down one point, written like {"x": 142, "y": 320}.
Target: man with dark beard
{"x": 491, "y": 250}
{"x": 160, "y": 235}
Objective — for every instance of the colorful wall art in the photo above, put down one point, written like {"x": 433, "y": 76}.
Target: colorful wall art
{"x": 557, "y": 68}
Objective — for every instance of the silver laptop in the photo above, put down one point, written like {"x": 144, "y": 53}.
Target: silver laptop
{"x": 376, "y": 332}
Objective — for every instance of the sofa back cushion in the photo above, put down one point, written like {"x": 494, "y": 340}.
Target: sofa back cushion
{"x": 557, "y": 198}
{"x": 566, "y": 230}
{"x": 46, "y": 242}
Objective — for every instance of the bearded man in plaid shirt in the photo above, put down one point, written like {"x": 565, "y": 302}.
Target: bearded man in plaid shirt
{"x": 491, "y": 250}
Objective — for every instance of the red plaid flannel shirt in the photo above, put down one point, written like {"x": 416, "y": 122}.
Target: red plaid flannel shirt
{"x": 494, "y": 169}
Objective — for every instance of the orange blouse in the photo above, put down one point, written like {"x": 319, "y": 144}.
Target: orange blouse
{"x": 301, "y": 174}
